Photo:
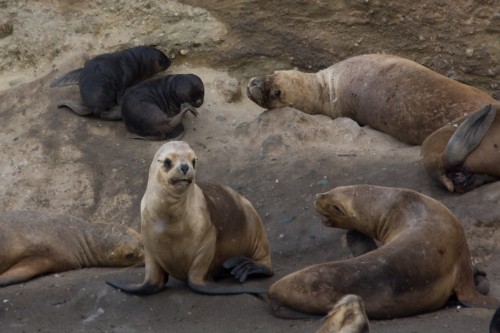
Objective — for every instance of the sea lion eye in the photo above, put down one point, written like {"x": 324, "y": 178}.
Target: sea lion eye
{"x": 193, "y": 162}
{"x": 277, "y": 93}
{"x": 129, "y": 256}
{"x": 167, "y": 163}
{"x": 336, "y": 209}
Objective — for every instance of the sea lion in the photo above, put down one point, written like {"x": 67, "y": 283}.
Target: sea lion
{"x": 104, "y": 79}
{"x": 495, "y": 322}
{"x": 154, "y": 109}
{"x": 423, "y": 259}
{"x": 196, "y": 231}
{"x": 465, "y": 154}
{"x": 36, "y": 243}
{"x": 347, "y": 316}
{"x": 391, "y": 94}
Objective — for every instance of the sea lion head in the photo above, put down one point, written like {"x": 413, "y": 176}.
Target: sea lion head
{"x": 348, "y": 315}
{"x": 276, "y": 90}
{"x": 335, "y": 208}
{"x": 153, "y": 60}
{"x": 174, "y": 166}
{"x": 123, "y": 246}
{"x": 188, "y": 88}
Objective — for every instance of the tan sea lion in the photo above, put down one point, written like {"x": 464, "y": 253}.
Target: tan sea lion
{"x": 36, "y": 243}
{"x": 104, "y": 79}
{"x": 348, "y": 316}
{"x": 196, "y": 231}
{"x": 465, "y": 153}
{"x": 391, "y": 94}
{"x": 423, "y": 259}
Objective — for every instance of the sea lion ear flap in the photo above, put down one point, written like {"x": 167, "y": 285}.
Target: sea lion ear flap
{"x": 468, "y": 135}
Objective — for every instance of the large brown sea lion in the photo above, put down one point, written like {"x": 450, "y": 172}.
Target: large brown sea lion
{"x": 347, "y": 316}
{"x": 104, "y": 79}
{"x": 36, "y": 243}
{"x": 154, "y": 109}
{"x": 391, "y": 94}
{"x": 465, "y": 153}
{"x": 196, "y": 231}
{"x": 423, "y": 260}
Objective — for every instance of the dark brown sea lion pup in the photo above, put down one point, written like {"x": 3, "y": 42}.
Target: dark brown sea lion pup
{"x": 391, "y": 94}
{"x": 104, "y": 79}
{"x": 347, "y": 316}
{"x": 154, "y": 109}
{"x": 196, "y": 231}
{"x": 423, "y": 260}
{"x": 36, "y": 243}
{"x": 465, "y": 153}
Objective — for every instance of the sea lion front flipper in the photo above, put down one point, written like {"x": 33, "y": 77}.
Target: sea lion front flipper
{"x": 242, "y": 266}
{"x": 217, "y": 289}
{"x": 68, "y": 79}
{"x": 146, "y": 288}
{"x": 481, "y": 281}
{"x": 25, "y": 270}
{"x": 76, "y": 107}
{"x": 154, "y": 281}
{"x": 359, "y": 243}
{"x": 468, "y": 135}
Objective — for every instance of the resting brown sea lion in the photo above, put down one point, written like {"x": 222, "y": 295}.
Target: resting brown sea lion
{"x": 36, "y": 243}
{"x": 465, "y": 153}
{"x": 348, "y": 316}
{"x": 195, "y": 232}
{"x": 154, "y": 109}
{"x": 388, "y": 93}
{"x": 423, "y": 260}
{"x": 104, "y": 79}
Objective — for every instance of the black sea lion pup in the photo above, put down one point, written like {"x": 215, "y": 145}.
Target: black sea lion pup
{"x": 36, "y": 243}
{"x": 348, "y": 316}
{"x": 104, "y": 79}
{"x": 388, "y": 93}
{"x": 413, "y": 271}
{"x": 465, "y": 153}
{"x": 196, "y": 231}
{"x": 154, "y": 109}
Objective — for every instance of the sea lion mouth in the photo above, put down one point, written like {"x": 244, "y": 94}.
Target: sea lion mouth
{"x": 180, "y": 181}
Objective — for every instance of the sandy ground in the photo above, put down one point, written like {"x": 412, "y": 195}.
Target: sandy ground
{"x": 53, "y": 160}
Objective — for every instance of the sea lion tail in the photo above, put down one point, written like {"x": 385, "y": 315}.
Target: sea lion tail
{"x": 68, "y": 79}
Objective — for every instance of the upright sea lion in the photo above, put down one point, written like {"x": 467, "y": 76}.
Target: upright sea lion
{"x": 36, "y": 243}
{"x": 391, "y": 94}
{"x": 348, "y": 316}
{"x": 465, "y": 154}
{"x": 104, "y": 79}
{"x": 422, "y": 261}
{"x": 154, "y": 109}
{"x": 196, "y": 232}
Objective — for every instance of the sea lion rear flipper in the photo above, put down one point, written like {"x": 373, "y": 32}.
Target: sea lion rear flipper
{"x": 146, "y": 288}
{"x": 468, "y": 135}
{"x": 68, "y": 79}
{"x": 76, "y": 107}
{"x": 25, "y": 270}
{"x": 115, "y": 113}
{"x": 241, "y": 267}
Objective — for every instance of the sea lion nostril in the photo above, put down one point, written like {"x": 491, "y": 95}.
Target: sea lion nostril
{"x": 254, "y": 81}
{"x": 184, "y": 168}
